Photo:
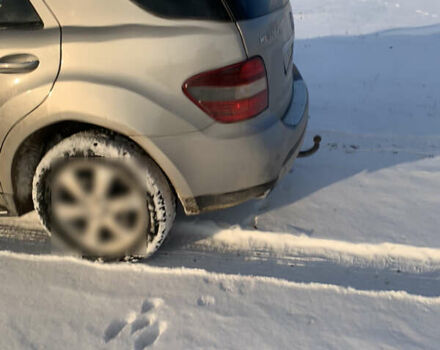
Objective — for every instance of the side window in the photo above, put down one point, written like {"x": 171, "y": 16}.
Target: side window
{"x": 19, "y": 14}
{"x": 186, "y": 9}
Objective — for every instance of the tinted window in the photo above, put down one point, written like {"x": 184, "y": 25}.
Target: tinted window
{"x": 18, "y": 13}
{"x": 248, "y": 9}
{"x": 186, "y": 9}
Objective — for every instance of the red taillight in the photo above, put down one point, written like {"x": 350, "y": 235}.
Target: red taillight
{"x": 231, "y": 94}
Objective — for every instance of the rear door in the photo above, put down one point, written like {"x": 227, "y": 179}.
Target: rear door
{"x": 29, "y": 58}
{"x": 268, "y": 31}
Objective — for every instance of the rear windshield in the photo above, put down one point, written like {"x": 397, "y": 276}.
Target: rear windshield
{"x": 186, "y": 9}
{"x": 248, "y": 9}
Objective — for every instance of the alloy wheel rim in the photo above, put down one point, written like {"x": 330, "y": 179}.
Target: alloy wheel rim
{"x": 99, "y": 206}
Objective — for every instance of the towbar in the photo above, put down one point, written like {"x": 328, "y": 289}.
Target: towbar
{"x": 307, "y": 153}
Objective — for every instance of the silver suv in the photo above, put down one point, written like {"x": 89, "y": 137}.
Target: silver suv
{"x": 109, "y": 110}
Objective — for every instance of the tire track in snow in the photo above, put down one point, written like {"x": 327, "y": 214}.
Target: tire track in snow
{"x": 22, "y": 233}
{"x": 23, "y": 238}
{"x": 208, "y": 237}
{"x": 382, "y": 267}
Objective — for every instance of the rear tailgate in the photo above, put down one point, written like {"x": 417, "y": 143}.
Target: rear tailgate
{"x": 268, "y": 31}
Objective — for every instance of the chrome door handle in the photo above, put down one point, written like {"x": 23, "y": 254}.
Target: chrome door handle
{"x": 18, "y": 63}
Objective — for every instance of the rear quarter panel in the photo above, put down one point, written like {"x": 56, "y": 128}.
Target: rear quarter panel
{"x": 143, "y": 58}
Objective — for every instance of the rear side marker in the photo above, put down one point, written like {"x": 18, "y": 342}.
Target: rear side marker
{"x": 231, "y": 94}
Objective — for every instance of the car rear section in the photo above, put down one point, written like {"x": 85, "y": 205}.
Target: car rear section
{"x": 207, "y": 88}
{"x": 260, "y": 106}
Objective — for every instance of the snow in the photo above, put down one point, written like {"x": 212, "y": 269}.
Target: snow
{"x": 345, "y": 253}
{"x": 80, "y": 306}
{"x": 323, "y": 18}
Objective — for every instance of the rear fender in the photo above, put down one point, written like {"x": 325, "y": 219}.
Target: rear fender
{"x": 126, "y": 113}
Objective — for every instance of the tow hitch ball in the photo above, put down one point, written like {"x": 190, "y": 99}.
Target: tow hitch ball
{"x": 307, "y": 153}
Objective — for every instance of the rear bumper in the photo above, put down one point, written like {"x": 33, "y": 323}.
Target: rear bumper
{"x": 226, "y": 165}
{"x": 200, "y": 204}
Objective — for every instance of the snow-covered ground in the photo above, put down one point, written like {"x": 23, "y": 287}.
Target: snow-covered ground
{"x": 346, "y": 249}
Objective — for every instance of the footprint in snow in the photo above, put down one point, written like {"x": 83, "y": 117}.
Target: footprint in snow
{"x": 144, "y": 327}
{"x": 114, "y": 328}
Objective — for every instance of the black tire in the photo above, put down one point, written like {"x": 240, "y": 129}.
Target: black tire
{"x": 160, "y": 199}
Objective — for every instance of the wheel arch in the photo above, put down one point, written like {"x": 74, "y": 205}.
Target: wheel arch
{"x": 22, "y": 159}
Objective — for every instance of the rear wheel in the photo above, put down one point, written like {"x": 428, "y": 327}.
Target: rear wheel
{"x": 102, "y": 196}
